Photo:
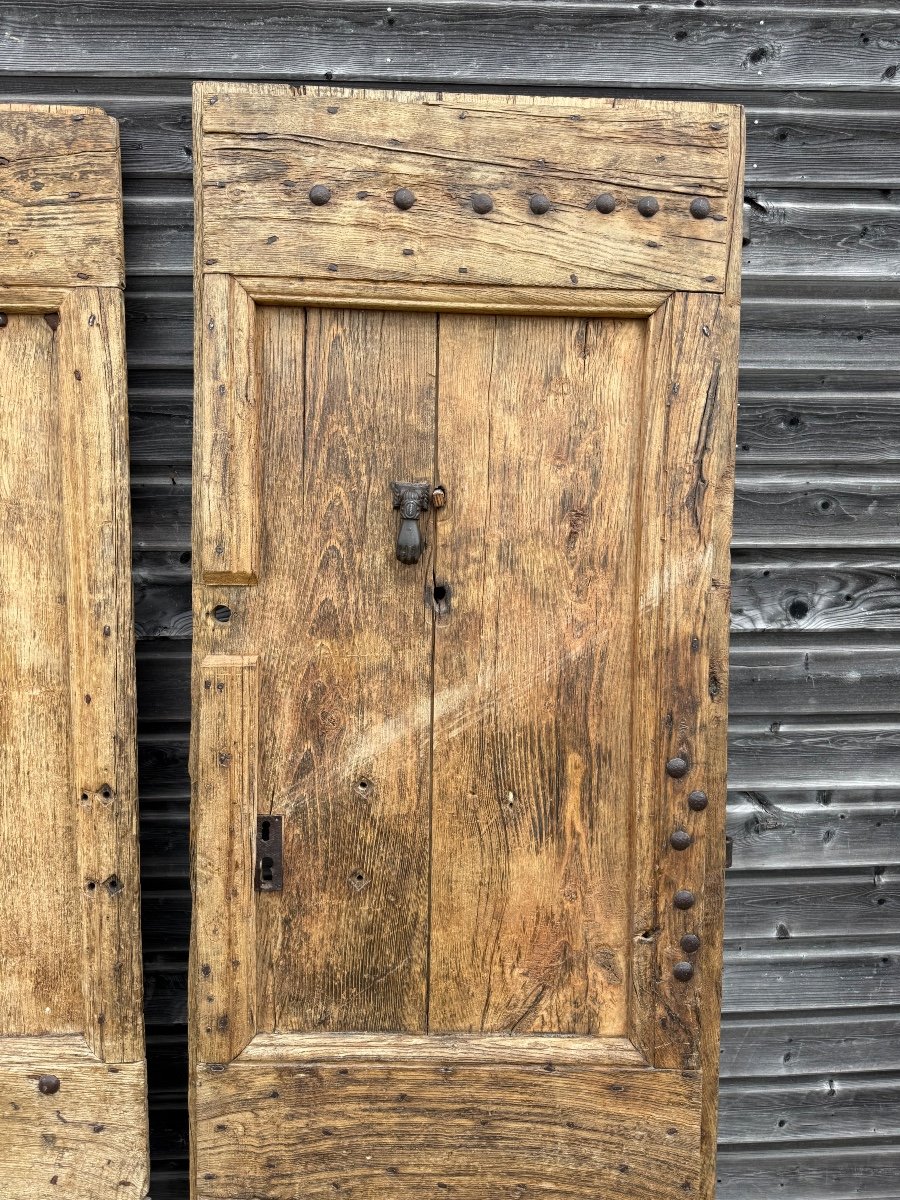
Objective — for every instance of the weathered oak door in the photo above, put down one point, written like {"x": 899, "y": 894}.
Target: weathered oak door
{"x": 463, "y": 483}
{"x": 73, "y": 1108}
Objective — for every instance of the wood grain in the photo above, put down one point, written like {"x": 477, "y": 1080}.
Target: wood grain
{"x": 87, "y": 1140}
{"x": 530, "y": 858}
{"x": 397, "y": 1130}
{"x": 264, "y": 147}
{"x": 60, "y": 197}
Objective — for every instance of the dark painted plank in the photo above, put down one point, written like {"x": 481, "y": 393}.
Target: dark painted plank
{"x": 801, "y": 974}
{"x": 839, "y": 1173}
{"x": 814, "y": 591}
{"x": 833, "y": 1044}
{"x": 779, "y": 427}
{"x": 818, "y": 1110}
{"x": 813, "y": 753}
{"x": 785, "y": 830}
{"x": 471, "y": 43}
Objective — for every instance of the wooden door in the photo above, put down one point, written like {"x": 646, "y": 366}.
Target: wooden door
{"x": 73, "y": 1112}
{"x": 459, "y": 768}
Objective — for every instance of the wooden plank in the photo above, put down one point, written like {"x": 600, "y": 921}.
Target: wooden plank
{"x": 849, "y": 426}
{"x": 813, "y": 752}
{"x": 815, "y": 905}
{"x": 40, "y": 985}
{"x": 832, "y": 1044}
{"x": 806, "y": 676}
{"x": 396, "y": 1130}
{"x": 826, "y": 1109}
{"x": 222, "y": 985}
{"x": 227, "y": 453}
{"x": 263, "y": 147}
{"x": 60, "y": 197}
{"x": 529, "y": 910}
{"x": 93, "y": 438}
{"x": 818, "y": 46}
{"x": 833, "y": 827}
{"x": 862, "y": 1172}
{"x": 85, "y": 1140}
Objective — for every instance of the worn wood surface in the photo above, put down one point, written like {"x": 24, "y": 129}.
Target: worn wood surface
{"x": 532, "y": 756}
{"x": 71, "y": 985}
{"x": 397, "y": 1129}
{"x": 822, "y": 114}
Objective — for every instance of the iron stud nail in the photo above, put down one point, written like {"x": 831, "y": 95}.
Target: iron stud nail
{"x": 605, "y": 203}
{"x": 683, "y": 971}
{"x": 677, "y": 767}
{"x": 683, "y": 898}
{"x": 48, "y": 1085}
{"x": 482, "y": 203}
{"x": 404, "y": 198}
{"x": 539, "y": 204}
{"x": 698, "y": 801}
{"x": 690, "y": 943}
{"x": 680, "y": 839}
{"x": 700, "y": 207}
{"x": 319, "y": 194}
{"x": 648, "y": 206}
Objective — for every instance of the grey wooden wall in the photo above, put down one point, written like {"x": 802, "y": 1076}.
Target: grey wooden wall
{"x": 811, "y": 1037}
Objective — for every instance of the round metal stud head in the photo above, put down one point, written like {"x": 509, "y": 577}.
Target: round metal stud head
{"x": 683, "y": 971}
{"x": 697, "y": 801}
{"x": 680, "y": 839}
{"x": 683, "y": 898}
{"x": 539, "y": 204}
{"x": 605, "y": 203}
{"x": 319, "y": 194}
{"x": 690, "y": 943}
{"x": 48, "y": 1085}
{"x": 648, "y": 206}
{"x": 482, "y": 203}
{"x": 404, "y": 198}
{"x": 700, "y": 207}
{"x": 677, "y": 767}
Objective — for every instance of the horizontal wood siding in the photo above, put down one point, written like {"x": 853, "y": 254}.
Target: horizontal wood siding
{"x": 810, "y": 1105}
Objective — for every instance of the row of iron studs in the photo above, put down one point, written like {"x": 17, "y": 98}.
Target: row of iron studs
{"x": 680, "y": 839}
{"x": 647, "y": 206}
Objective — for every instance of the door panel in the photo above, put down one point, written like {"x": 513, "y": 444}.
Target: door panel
{"x": 539, "y": 423}
{"x": 73, "y": 1110}
{"x": 487, "y": 959}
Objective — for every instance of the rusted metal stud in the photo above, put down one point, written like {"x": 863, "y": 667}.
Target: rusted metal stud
{"x": 697, "y": 801}
{"x": 482, "y": 203}
{"x": 690, "y": 943}
{"x": 648, "y": 206}
{"x": 404, "y": 198}
{"x": 683, "y": 898}
{"x": 605, "y": 203}
{"x": 700, "y": 207}
{"x": 319, "y": 194}
{"x": 48, "y": 1085}
{"x": 683, "y": 971}
{"x": 677, "y": 767}
{"x": 539, "y": 204}
{"x": 680, "y": 839}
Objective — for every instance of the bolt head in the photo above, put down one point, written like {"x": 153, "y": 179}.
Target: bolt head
{"x": 700, "y": 207}
{"x": 690, "y": 943}
{"x": 605, "y": 203}
{"x": 683, "y": 971}
{"x": 319, "y": 194}
{"x": 48, "y": 1085}
{"x": 683, "y": 898}
{"x": 698, "y": 801}
{"x": 648, "y": 206}
{"x": 404, "y": 198}
{"x": 677, "y": 767}
{"x": 539, "y": 204}
{"x": 482, "y": 203}
{"x": 680, "y": 839}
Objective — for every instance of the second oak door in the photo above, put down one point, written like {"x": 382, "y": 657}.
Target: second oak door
{"x": 464, "y": 435}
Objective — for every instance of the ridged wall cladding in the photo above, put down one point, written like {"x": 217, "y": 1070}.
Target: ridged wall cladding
{"x": 810, "y": 1106}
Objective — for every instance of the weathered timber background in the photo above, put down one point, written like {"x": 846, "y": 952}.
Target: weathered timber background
{"x": 811, "y": 1034}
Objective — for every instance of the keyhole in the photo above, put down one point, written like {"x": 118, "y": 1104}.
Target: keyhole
{"x": 440, "y": 598}
{"x": 265, "y": 830}
{"x": 265, "y": 869}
